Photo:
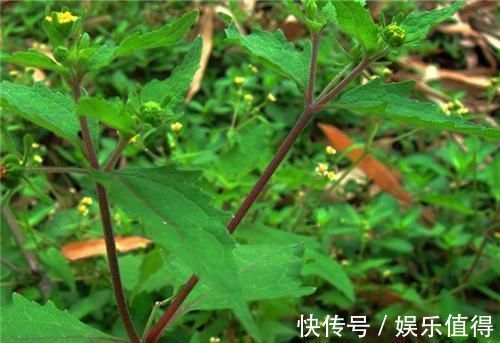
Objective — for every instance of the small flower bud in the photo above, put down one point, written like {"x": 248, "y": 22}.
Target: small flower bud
{"x": 271, "y": 97}
{"x": 61, "y": 53}
{"x": 394, "y": 35}
{"x": 239, "y": 80}
{"x": 152, "y": 112}
{"x": 176, "y": 127}
{"x": 248, "y": 97}
{"x": 38, "y": 159}
{"x": 86, "y": 201}
{"x": 83, "y": 210}
{"x": 330, "y": 150}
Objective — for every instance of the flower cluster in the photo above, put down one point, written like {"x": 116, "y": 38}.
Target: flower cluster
{"x": 455, "y": 107}
{"x": 83, "y": 205}
{"x": 64, "y": 17}
{"x": 322, "y": 170}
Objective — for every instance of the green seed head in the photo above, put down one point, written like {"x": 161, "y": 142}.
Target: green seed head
{"x": 151, "y": 112}
{"x": 394, "y": 35}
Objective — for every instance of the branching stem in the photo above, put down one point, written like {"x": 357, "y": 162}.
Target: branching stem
{"x": 306, "y": 116}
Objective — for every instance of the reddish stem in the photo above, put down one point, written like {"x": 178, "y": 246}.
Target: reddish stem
{"x": 287, "y": 144}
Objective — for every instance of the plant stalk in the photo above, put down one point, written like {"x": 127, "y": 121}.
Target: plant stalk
{"x": 286, "y": 145}
{"x": 107, "y": 227}
{"x": 312, "y": 71}
{"x": 116, "y": 154}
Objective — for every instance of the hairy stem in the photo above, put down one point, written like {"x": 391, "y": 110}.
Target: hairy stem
{"x": 107, "y": 227}
{"x": 312, "y": 70}
{"x": 284, "y": 148}
{"x": 341, "y": 85}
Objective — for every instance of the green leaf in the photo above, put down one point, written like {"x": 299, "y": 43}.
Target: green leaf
{"x": 111, "y": 113}
{"x": 165, "y": 36}
{"x": 33, "y": 58}
{"x": 177, "y": 216}
{"x": 264, "y": 271}
{"x": 102, "y": 57}
{"x": 395, "y": 244}
{"x": 356, "y": 21}
{"x": 171, "y": 92}
{"x": 58, "y": 265}
{"x": 391, "y": 100}
{"x": 42, "y": 106}
{"x": 27, "y": 321}
{"x": 329, "y": 270}
{"x": 95, "y": 301}
{"x": 418, "y": 24}
{"x": 273, "y": 50}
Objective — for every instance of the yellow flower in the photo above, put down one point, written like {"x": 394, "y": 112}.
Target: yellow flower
{"x": 35, "y": 145}
{"x": 253, "y": 68}
{"x": 330, "y": 150}
{"x": 330, "y": 175}
{"x": 66, "y": 17}
{"x": 86, "y": 201}
{"x": 271, "y": 97}
{"x": 83, "y": 210}
{"x": 322, "y": 169}
{"x": 239, "y": 80}
{"x": 345, "y": 262}
{"x": 386, "y": 273}
{"x": 134, "y": 139}
{"x": 176, "y": 127}
{"x": 48, "y": 18}
{"x": 38, "y": 159}
{"x": 214, "y": 340}
{"x": 455, "y": 107}
{"x": 248, "y": 97}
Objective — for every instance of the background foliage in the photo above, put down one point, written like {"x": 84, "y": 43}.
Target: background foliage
{"x": 348, "y": 247}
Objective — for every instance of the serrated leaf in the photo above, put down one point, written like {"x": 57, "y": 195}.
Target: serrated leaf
{"x": 330, "y": 270}
{"x": 111, "y": 113}
{"x": 418, "y": 24}
{"x": 273, "y": 50}
{"x": 391, "y": 100}
{"x": 356, "y": 21}
{"x": 170, "y": 92}
{"x": 178, "y": 216}
{"x": 35, "y": 59}
{"x": 264, "y": 271}
{"x": 165, "y": 36}
{"x": 42, "y": 106}
{"x": 27, "y": 321}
